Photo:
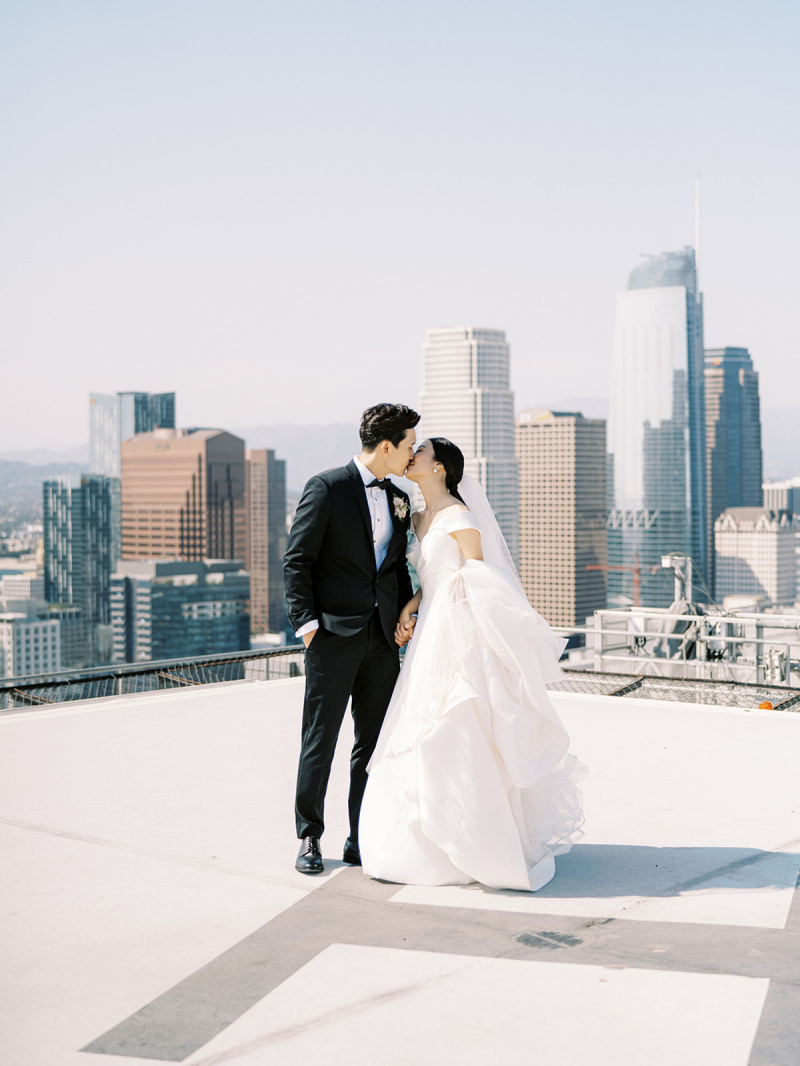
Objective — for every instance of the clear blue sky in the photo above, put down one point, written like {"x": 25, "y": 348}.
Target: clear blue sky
{"x": 264, "y": 205}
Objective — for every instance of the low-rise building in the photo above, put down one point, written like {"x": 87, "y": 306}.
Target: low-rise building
{"x": 73, "y": 631}
{"x": 24, "y": 586}
{"x": 175, "y": 610}
{"x": 783, "y": 495}
{"x": 755, "y": 554}
{"x": 28, "y": 645}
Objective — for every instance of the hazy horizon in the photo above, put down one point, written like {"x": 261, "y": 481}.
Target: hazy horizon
{"x": 313, "y": 447}
{"x": 264, "y": 206}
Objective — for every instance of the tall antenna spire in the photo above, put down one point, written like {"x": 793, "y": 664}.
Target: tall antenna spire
{"x": 697, "y": 224}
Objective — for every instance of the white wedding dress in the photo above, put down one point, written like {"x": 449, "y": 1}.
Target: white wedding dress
{"x": 471, "y": 779}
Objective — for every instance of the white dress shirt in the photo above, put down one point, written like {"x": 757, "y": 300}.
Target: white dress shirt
{"x": 378, "y": 503}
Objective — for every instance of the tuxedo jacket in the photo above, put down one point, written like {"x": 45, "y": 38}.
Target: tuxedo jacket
{"x": 329, "y": 567}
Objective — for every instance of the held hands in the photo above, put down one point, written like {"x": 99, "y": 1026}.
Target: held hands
{"x": 404, "y": 630}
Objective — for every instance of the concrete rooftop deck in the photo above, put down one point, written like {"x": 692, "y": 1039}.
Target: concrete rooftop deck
{"x": 151, "y": 910}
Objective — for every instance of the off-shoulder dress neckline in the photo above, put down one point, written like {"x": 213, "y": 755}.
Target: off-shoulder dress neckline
{"x": 437, "y": 516}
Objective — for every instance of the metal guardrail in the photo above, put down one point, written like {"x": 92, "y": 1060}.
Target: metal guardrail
{"x": 120, "y": 679}
{"x": 45, "y": 690}
{"x": 707, "y": 693}
{"x": 735, "y": 647}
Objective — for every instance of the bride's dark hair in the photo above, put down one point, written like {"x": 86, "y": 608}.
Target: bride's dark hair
{"x": 452, "y": 459}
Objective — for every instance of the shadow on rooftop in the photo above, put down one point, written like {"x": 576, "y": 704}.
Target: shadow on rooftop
{"x": 597, "y": 871}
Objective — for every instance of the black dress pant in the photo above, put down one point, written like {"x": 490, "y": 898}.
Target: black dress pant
{"x": 364, "y": 666}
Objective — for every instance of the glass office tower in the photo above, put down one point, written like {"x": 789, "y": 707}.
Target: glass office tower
{"x": 80, "y": 551}
{"x": 656, "y": 428}
{"x": 113, "y": 419}
{"x": 733, "y": 435}
{"x": 733, "y": 431}
{"x": 466, "y": 397}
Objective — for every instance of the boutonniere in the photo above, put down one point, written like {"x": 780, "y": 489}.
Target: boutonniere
{"x": 400, "y": 508}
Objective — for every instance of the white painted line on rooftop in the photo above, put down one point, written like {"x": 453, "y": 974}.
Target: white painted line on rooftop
{"x": 352, "y": 1006}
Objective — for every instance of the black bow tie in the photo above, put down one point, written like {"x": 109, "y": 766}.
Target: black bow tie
{"x": 379, "y": 484}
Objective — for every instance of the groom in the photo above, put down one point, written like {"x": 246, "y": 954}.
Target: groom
{"x": 346, "y": 582}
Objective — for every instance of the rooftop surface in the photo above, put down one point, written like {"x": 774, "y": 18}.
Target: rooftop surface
{"x": 151, "y": 910}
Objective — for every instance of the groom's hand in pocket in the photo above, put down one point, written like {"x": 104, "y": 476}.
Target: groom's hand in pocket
{"x": 308, "y": 637}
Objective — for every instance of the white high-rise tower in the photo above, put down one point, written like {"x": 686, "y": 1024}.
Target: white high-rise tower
{"x": 466, "y": 397}
{"x": 656, "y": 428}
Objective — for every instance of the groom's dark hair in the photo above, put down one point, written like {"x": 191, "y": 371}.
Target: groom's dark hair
{"x": 386, "y": 421}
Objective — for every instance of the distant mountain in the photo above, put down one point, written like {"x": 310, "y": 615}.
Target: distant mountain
{"x": 306, "y": 449}
{"x": 309, "y": 449}
{"x": 16, "y": 475}
{"x": 21, "y": 488}
{"x": 45, "y": 457}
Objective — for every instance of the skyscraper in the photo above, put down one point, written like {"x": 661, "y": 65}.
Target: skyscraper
{"x": 266, "y": 539}
{"x": 733, "y": 430}
{"x": 62, "y": 518}
{"x": 113, "y": 419}
{"x": 79, "y": 551}
{"x": 183, "y": 495}
{"x": 733, "y": 434}
{"x": 562, "y": 514}
{"x": 656, "y": 429}
{"x": 466, "y": 396}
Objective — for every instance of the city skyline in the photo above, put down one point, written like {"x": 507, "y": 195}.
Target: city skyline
{"x": 303, "y": 240}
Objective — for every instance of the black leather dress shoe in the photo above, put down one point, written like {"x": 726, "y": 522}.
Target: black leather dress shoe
{"x": 309, "y": 859}
{"x": 351, "y": 853}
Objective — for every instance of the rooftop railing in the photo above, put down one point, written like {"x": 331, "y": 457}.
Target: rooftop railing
{"x": 738, "y": 647}
{"x": 120, "y": 679}
{"x": 47, "y": 690}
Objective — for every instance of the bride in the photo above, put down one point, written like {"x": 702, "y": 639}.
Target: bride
{"x": 470, "y": 779}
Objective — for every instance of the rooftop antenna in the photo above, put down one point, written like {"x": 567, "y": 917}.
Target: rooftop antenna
{"x": 697, "y": 223}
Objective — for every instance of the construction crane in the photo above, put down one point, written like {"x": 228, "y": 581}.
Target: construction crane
{"x": 635, "y": 569}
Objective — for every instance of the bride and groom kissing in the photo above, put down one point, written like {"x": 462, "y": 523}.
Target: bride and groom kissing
{"x": 460, "y": 770}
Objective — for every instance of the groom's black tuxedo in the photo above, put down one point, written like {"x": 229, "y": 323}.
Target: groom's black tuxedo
{"x": 330, "y": 559}
{"x": 331, "y": 576}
